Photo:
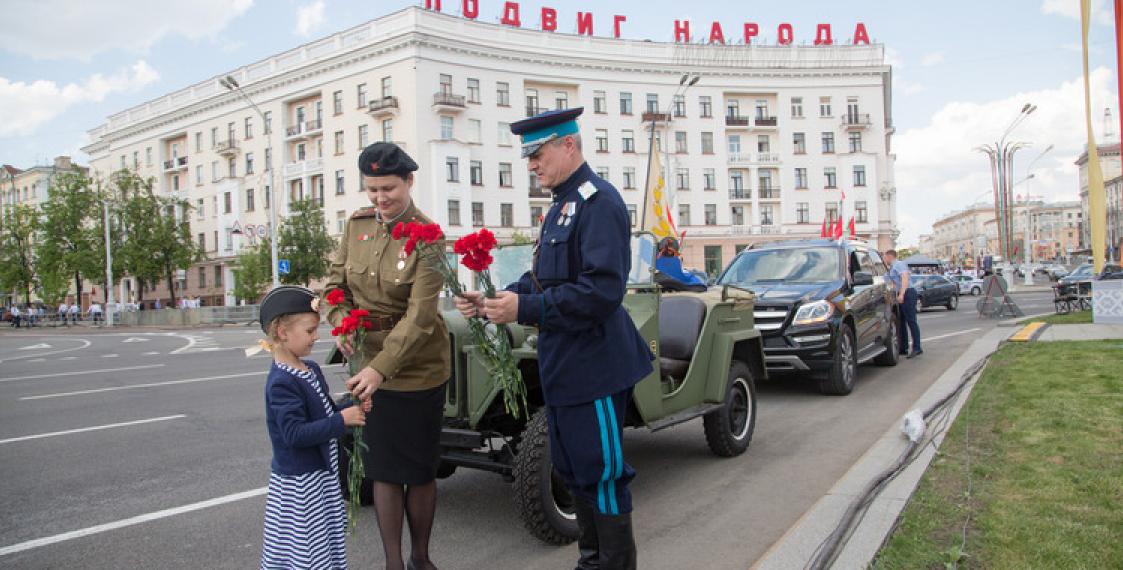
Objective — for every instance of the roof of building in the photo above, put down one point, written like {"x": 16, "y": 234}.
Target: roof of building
{"x": 1104, "y": 150}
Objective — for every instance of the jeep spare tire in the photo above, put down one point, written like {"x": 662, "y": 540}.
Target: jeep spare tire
{"x": 543, "y": 501}
{"x": 729, "y": 429}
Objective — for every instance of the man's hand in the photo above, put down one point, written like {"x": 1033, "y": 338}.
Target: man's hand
{"x": 344, "y": 345}
{"x": 363, "y": 384}
{"x": 471, "y": 304}
{"x": 503, "y": 309}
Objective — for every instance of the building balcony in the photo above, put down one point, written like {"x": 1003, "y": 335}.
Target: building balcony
{"x": 740, "y": 194}
{"x": 765, "y": 122}
{"x": 768, "y": 193}
{"x": 736, "y": 122}
{"x": 303, "y": 168}
{"x": 304, "y": 130}
{"x": 856, "y": 121}
{"x": 448, "y": 103}
{"x": 650, "y": 116}
{"x": 383, "y": 107}
{"x": 763, "y": 229}
{"x": 175, "y": 164}
{"x": 754, "y": 159}
{"x": 227, "y": 147}
{"x": 540, "y": 194}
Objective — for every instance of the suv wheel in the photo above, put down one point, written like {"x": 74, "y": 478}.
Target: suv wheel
{"x": 544, "y": 502}
{"x": 729, "y": 429}
{"x": 953, "y": 302}
{"x": 840, "y": 377}
{"x": 890, "y": 357}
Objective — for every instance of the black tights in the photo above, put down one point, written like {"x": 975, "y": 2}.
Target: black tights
{"x": 419, "y": 505}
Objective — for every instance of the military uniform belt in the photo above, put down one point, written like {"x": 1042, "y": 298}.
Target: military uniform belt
{"x": 383, "y": 322}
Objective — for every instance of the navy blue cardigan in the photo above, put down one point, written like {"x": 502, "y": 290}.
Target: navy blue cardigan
{"x": 299, "y": 429}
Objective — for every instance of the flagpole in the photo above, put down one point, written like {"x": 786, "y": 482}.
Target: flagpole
{"x": 647, "y": 183}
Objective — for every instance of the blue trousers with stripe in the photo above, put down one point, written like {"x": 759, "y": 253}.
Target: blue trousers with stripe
{"x": 585, "y": 449}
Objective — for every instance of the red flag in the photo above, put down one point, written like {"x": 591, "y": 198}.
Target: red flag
{"x": 823, "y": 230}
{"x": 838, "y": 228}
{"x": 853, "y": 234}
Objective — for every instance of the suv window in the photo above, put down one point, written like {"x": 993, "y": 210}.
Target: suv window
{"x": 878, "y": 263}
{"x": 795, "y": 265}
{"x": 866, "y": 263}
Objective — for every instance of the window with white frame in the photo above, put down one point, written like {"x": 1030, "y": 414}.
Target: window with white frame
{"x": 505, "y": 179}
{"x": 629, "y": 177}
{"x": 797, "y": 107}
{"x": 600, "y": 102}
{"x": 602, "y": 140}
{"x": 473, "y": 90}
{"x": 709, "y": 179}
{"x": 859, "y": 175}
{"x": 476, "y": 173}
{"x": 802, "y": 213}
{"x": 452, "y": 169}
{"x": 830, "y": 177}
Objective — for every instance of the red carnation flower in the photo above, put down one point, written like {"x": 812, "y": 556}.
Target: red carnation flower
{"x": 360, "y": 313}
{"x": 431, "y": 233}
{"x": 335, "y": 297}
{"x": 396, "y": 233}
{"x": 337, "y": 331}
{"x": 486, "y": 240}
{"x": 368, "y": 325}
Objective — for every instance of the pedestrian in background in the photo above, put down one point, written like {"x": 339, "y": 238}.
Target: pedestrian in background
{"x": 73, "y": 311}
{"x": 15, "y": 312}
{"x": 62, "y": 309}
{"x": 906, "y": 304}
{"x": 305, "y": 517}
{"x": 94, "y": 313}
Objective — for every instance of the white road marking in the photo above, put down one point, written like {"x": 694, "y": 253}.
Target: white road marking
{"x": 39, "y": 346}
{"x": 68, "y": 358}
{"x": 136, "y": 386}
{"x": 54, "y": 539}
{"x": 80, "y": 372}
{"x": 59, "y": 351}
{"x": 135, "y": 339}
{"x": 152, "y": 353}
{"x": 951, "y": 334}
{"x": 37, "y": 360}
{"x": 109, "y": 356}
{"x": 93, "y": 428}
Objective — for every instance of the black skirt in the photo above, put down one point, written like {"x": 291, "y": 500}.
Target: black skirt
{"x": 403, "y": 434}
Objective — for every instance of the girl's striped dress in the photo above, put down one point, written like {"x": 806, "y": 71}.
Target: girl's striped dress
{"x": 305, "y": 518}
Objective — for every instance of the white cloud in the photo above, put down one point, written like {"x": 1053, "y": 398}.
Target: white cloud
{"x": 68, "y": 29}
{"x": 26, "y": 106}
{"x": 934, "y": 58}
{"x": 309, "y": 18}
{"x": 1101, "y": 11}
{"x": 893, "y": 58}
{"x": 938, "y": 170}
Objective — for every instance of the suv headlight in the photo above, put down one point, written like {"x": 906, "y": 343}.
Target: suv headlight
{"x": 811, "y": 313}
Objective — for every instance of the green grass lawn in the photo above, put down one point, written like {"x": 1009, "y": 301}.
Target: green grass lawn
{"x": 1074, "y": 318}
{"x": 1045, "y": 431}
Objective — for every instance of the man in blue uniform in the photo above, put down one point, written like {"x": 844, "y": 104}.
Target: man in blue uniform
{"x": 590, "y": 354}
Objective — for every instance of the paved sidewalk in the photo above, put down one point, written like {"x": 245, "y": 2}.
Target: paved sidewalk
{"x": 1081, "y": 332}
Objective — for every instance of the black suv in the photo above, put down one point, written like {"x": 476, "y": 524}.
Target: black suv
{"x": 822, "y": 306}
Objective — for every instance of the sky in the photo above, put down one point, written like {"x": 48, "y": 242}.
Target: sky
{"x": 962, "y": 70}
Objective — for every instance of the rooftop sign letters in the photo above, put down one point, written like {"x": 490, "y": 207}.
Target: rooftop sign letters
{"x": 750, "y": 31}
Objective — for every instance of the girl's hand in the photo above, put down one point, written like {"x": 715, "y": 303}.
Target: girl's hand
{"x": 344, "y": 345}
{"x": 354, "y": 416}
{"x": 363, "y": 384}
{"x": 367, "y": 405}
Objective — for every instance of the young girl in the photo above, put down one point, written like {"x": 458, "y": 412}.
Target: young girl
{"x": 305, "y": 520}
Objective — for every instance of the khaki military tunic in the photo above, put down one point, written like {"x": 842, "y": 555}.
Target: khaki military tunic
{"x": 375, "y": 274}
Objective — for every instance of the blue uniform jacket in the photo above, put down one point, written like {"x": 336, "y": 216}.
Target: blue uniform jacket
{"x": 588, "y": 346}
{"x": 299, "y": 429}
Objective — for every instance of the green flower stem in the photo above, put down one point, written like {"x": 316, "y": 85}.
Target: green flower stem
{"x": 356, "y": 470}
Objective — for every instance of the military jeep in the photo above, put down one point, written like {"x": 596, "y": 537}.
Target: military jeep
{"x": 709, "y": 355}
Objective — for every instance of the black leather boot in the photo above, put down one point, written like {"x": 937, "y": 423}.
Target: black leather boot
{"x": 617, "y": 545}
{"x": 588, "y": 546}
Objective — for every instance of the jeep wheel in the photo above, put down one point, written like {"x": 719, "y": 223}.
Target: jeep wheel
{"x": 730, "y": 428}
{"x": 953, "y": 302}
{"x": 840, "y": 377}
{"x": 544, "y": 502}
{"x": 891, "y": 356}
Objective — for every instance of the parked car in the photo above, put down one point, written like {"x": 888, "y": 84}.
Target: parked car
{"x": 1083, "y": 272}
{"x": 968, "y": 285}
{"x": 1056, "y": 271}
{"x": 823, "y": 307}
{"x": 1110, "y": 271}
{"x": 935, "y": 290}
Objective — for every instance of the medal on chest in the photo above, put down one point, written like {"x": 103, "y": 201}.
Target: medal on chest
{"x": 401, "y": 259}
{"x": 567, "y": 212}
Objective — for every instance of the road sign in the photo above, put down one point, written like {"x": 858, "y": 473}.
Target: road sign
{"x": 283, "y": 266}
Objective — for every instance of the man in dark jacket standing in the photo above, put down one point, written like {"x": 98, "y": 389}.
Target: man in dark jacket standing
{"x": 590, "y": 354}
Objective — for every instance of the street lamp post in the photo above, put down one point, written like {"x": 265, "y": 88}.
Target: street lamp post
{"x": 1026, "y": 252}
{"x": 230, "y": 83}
{"x": 1001, "y": 156}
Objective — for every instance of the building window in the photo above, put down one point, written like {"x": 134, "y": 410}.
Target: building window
{"x": 478, "y": 214}
{"x": 148, "y": 156}
{"x": 337, "y": 102}
{"x": 801, "y": 178}
{"x": 503, "y": 94}
{"x": 707, "y": 143}
{"x": 682, "y": 178}
{"x": 859, "y": 175}
{"x": 802, "y": 213}
{"x": 828, "y": 143}
{"x": 602, "y": 172}
{"x": 268, "y": 159}
{"x": 230, "y": 135}
{"x": 446, "y": 83}
{"x": 387, "y": 130}
{"x": 249, "y": 163}
{"x": 338, "y": 143}
{"x": 454, "y": 212}
{"x": 452, "y": 169}
{"x": 680, "y": 142}
{"x": 763, "y": 143}
{"x": 301, "y": 152}
{"x": 628, "y": 142}
{"x": 797, "y": 107}
{"x": 446, "y": 128}
{"x": 680, "y": 105}
{"x": 476, "y": 172}
{"x": 361, "y": 94}
{"x": 504, "y": 135}
{"x": 362, "y": 137}
{"x": 710, "y": 214}
{"x": 600, "y": 104}
{"x": 799, "y": 143}
{"x": 831, "y": 179}
{"x": 226, "y": 203}
{"x": 532, "y": 182}
{"x": 705, "y": 107}
{"x": 629, "y": 177}
{"x": 214, "y": 171}
{"x": 505, "y": 174}
{"x": 762, "y": 109}
{"x": 561, "y": 100}
{"x": 473, "y": 90}
{"x": 340, "y": 186}
{"x": 766, "y": 215}
{"x": 625, "y": 103}
{"x": 712, "y": 257}
{"x": 709, "y": 179}
{"x": 737, "y": 183}
{"x": 268, "y": 195}
{"x": 536, "y": 216}
{"x": 199, "y": 175}
{"x": 684, "y": 214}
{"x": 824, "y": 106}
{"x": 387, "y": 87}
{"x": 832, "y": 212}
{"x": 652, "y": 102}
{"x": 232, "y": 167}
{"x": 175, "y": 187}
{"x": 733, "y": 109}
{"x": 856, "y": 141}
{"x": 202, "y": 277}
{"x": 249, "y": 200}
{"x": 602, "y": 140}
{"x": 248, "y": 127}
{"x": 340, "y": 220}
{"x": 861, "y": 213}
{"x": 737, "y": 215}
{"x": 218, "y": 268}
{"x": 632, "y": 214}
{"x": 268, "y": 126}
{"x": 506, "y": 215}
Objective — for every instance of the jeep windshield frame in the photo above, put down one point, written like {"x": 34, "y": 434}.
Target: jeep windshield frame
{"x": 511, "y": 262}
{"x": 813, "y": 264}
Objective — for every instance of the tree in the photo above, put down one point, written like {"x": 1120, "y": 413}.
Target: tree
{"x": 67, "y": 235}
{"x": 17, "y": 252}
{"x": 519, "y": 238}
{"x": 253, "y": 274}
{"x": 304, "y": 241}
{"x": 159, "y": 237}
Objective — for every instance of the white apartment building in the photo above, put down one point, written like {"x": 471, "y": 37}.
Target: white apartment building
{"x": 761, "y": 148}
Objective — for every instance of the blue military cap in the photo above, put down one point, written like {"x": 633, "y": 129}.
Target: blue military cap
{"x": 545, "y": 127}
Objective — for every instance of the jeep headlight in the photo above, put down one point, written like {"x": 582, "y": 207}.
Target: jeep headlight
{"x": 812, "y": 313}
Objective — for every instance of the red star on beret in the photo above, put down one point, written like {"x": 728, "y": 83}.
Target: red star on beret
{"x": 374, "y": 167}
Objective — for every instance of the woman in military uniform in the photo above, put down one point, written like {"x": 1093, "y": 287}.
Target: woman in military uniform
{"x": 404, "y": 357}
